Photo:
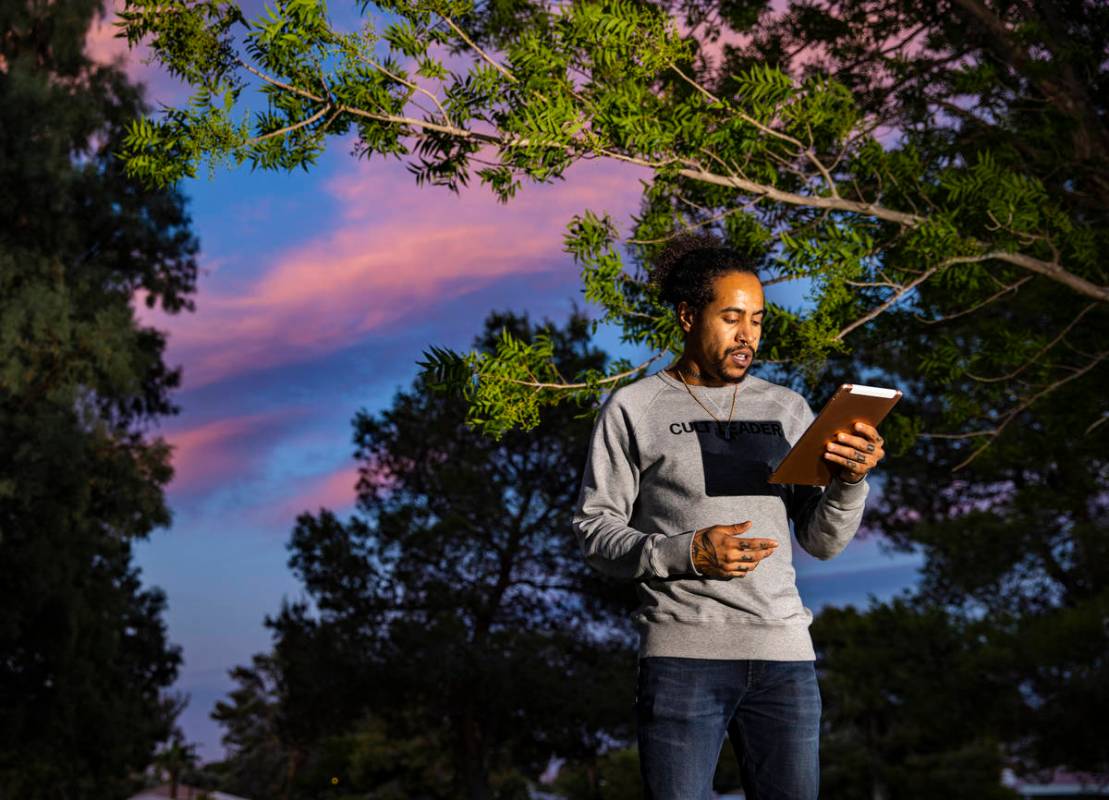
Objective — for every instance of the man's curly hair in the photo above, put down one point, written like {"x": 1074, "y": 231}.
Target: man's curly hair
{"x": 687, "y": 266}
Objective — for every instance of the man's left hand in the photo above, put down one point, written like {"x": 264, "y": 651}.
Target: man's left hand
{"x": 855, "y": 454}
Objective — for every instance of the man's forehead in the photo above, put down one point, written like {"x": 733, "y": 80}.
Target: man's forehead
{"x": 738, "y": 291}
{"x": 743, "y": 310}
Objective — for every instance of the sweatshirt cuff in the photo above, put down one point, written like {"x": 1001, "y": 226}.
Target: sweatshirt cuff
{"x": 692, "y": 565}
{"x": 673, "y": 557}
{"x": 847, "y": 495}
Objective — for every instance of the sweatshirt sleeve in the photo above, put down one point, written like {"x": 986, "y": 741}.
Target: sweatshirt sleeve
{"x": 825, "y": 520}
{"x": 610, "y": 485}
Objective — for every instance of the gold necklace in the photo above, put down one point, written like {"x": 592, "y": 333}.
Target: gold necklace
{"x": 702, "y": 405}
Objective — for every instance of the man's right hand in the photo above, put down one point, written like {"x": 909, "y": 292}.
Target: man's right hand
{"x": 718, "y": 552}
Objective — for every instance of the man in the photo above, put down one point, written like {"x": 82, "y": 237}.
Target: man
{"x": 675, "y": 496}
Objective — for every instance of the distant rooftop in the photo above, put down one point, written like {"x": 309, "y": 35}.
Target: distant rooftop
{"x": 183, "y": 793}
{"x": 1059, "y": 783}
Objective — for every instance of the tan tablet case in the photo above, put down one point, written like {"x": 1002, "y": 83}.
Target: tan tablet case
{"x": 805, "y": 463}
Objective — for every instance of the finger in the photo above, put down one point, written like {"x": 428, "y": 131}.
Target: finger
{"x": 850, "y": 453}
{"x": 853, "y": 466}
{"x": 857, "y": 442}
{"x": 748, "y": 558}
{"x": 870, "y": 432}
{"x": 754, "y": 544}
{"x": 747, "y": 569}
{"x": 739, "y": 528}
{"x": 867, "y": 431}
{"x": 836, "y": 458}
{"x": 747, "y": 554}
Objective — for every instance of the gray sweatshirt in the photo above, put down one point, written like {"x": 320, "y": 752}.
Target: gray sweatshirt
{"x": 660, "y": 468}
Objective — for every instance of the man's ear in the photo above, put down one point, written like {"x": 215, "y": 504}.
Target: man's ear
{"x": 686, "y": 317}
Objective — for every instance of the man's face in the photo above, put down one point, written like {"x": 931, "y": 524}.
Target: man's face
{"x": 724, "y": 337}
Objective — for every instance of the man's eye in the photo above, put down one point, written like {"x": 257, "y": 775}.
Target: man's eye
{"x": 731, "y": 321}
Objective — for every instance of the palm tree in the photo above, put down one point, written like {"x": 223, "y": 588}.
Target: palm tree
{"x": 175, "y": 758}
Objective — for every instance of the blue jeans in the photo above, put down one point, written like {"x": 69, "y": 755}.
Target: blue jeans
{"x": 769, "y": 709}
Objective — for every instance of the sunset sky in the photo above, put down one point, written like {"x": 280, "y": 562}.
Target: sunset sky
{"x": 319, "y": 291}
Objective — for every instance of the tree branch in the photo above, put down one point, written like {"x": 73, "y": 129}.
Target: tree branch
{"x": 908, "y": 287}
{"x": 1062, "y": 334}
{"x": 289, "y": 128}
{"x": 695, "y": 171}
{"x": 485, "y": 56}
{"x": 1068, "y": 96}
{"x": 969, "y": 435}
{"x": 807, "y": 152}
{"x": 1097, "y": 359}
{"x": 1093, "y": 425}
{"x": 411, "y": 85}
{"x": 1056, "y": 272}
{"x": 609, "y": 379}
{"x": 700, "y": 224}
{"x": 1012, "y": 287}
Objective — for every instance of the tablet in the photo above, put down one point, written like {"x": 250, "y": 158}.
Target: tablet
{"x": 804, "y": 463}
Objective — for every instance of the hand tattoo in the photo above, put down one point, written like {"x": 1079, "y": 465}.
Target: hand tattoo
{"x": 704, "y": 554}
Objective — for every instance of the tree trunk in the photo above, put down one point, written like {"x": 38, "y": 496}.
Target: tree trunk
{"x": 474, "y": 772}
{"x": 591, "y": 778}
{"x": 295, "y": 758}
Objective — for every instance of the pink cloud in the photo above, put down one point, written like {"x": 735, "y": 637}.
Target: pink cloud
{"x": 226, "y": 450}
{"x": 101, "y": 43}
{"x": 336, "y": 491}
{"x": 395, "y": 250}
{"x": 333, "y": 490}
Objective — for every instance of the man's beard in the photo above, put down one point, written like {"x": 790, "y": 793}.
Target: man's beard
{"x": 724, "y": 376}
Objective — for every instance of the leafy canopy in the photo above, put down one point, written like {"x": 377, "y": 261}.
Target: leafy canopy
{"x": 799, "y": 167}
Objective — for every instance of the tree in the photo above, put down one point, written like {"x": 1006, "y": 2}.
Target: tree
{"x": 175, "y": 758}
{"x": 452, "y": 617}
{"x": 257, "y": 760}
{"x": 940, "y": 216}
{"x": 84, "y": 658}
{"x": 1016, "y": 543}
{"x": 912, "y": 704}
{"x": 615, "y": 776}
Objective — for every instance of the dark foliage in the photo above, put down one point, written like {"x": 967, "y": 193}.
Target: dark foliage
{"x": 84, "y": 659}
